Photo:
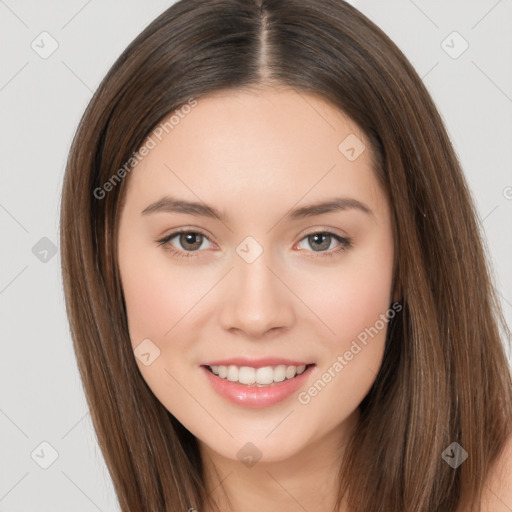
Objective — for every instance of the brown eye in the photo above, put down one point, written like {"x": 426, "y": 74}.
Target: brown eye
{"x": 321, "y": 241}
{"x": 189, "y": 242}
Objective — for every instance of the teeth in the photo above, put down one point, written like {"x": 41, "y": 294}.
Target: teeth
{"x": 280, "y": 373}
{"x": 259, "y": 376}
{"x": 246, "y": 375}
{"x": 232, "y": 373}
{"x": 265, "y": 375}
{"x": 291, "y": 371}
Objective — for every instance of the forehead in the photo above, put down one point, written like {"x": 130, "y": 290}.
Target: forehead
{"x": 263, "y": 145}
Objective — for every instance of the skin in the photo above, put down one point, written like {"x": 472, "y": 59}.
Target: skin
{"x": 497, "y": 491}
{"x": 255, "y": 155}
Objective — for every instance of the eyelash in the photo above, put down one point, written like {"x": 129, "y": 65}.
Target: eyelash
{"x": 346, "y": 243}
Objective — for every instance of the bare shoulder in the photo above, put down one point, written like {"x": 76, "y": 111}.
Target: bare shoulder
{"x": 497, "y": 492}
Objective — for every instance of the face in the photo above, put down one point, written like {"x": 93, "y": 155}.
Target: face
{"x": 255, "y": 314}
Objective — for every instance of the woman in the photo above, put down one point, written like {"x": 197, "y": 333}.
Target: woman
{"x": 274, "y": 277}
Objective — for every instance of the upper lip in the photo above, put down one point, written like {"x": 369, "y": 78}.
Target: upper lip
{"x": 256, "y": 363}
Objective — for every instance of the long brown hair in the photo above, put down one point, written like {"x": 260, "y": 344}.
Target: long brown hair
{"x": 444, "y": 376}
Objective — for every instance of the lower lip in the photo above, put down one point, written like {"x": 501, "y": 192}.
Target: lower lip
{"x": 253, "y": 396}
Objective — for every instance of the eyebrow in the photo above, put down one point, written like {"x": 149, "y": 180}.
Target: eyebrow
{"x": 172, "y": 205}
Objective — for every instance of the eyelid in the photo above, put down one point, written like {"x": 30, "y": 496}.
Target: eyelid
{"x": 173, "y": 232}
{"x": 325, "y": 229}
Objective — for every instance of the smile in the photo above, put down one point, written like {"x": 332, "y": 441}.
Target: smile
{"x": 264, "y": 384}
{"x": 250, "y": 376}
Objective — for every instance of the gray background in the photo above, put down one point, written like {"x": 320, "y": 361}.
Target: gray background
{"x": 41, "y": 101}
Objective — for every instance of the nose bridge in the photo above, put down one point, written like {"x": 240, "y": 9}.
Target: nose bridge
{"x": 259, "y": 301}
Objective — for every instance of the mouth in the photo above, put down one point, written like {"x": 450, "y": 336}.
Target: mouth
{"x": 257, "y": 377}
{"x": 257, "y": 384}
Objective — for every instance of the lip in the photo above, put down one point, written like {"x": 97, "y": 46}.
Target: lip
{"x": 256, "y": 363}
{"x": 253, "y": 396}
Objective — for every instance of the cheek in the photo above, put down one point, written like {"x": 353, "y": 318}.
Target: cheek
{"x": 353, "y": 355}
{"x": 157, "y": 294}
{"x": 158, "y": 298}
{"x": 148, "y": 298}
{"x": 352, "y": 299}
{"x": 365, "y": 296}
{"x": 351, "y": 296}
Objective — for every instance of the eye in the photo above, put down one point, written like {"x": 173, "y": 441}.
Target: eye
{"x": 321, "y": 240}
{"x": 190, "y": 241}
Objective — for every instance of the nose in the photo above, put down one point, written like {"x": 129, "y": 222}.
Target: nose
{"x": 257, "y": 301}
